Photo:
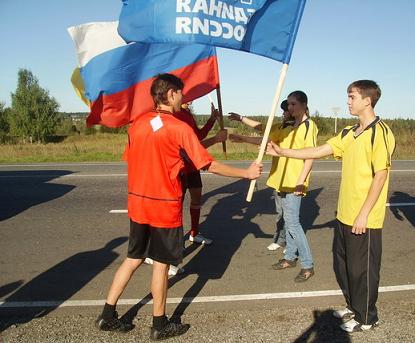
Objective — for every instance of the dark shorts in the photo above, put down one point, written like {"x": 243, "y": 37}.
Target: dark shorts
{"x": 161, "y": 245}
{"x": 192, "y": 180}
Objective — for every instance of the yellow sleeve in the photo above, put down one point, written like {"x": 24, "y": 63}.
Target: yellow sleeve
{"x": 383, "y": 147}
{"x": 337, "y": 145}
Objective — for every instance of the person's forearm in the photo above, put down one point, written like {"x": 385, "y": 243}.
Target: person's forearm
{"x": 225, "y": 170}
{"x": 308, "y": 164}
{"x": 308, "y": 153}
{"x": 252, "y": 123}
{"x": 203, "y": 132}
{"x": 251, "y": 140}
{"x": 208, "y": 142}
{"x": 374, "y": 191}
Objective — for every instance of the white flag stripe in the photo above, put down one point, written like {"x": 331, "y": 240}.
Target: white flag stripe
{"x": 93, "y": 39}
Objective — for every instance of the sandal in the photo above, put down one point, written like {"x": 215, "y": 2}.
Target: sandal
{"x": 283, "y": 264}
{"x": 304, "y": 275}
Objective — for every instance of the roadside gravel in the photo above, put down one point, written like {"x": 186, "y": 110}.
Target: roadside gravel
{"x": 282, "y": 324}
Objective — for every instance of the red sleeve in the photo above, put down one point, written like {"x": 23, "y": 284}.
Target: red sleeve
{"x": 203, "y": 132}
{"x": 192, "y": 150}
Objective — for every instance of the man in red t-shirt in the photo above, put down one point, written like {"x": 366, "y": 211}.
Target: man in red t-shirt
{"x": 159, "y": 148}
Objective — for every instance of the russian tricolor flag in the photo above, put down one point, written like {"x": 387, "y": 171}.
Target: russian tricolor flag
{"x": 117, "y": 76}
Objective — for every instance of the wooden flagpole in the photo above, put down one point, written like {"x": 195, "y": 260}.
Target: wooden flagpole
{"x": 222, "y": 127}
{"x": 264, "y": 142}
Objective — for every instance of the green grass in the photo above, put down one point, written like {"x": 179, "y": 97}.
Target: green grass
{"x": 90, "y": 148}
{"x": 109, "y": 147}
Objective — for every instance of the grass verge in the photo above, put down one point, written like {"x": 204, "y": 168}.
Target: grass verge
{"x": 110, "y": 147}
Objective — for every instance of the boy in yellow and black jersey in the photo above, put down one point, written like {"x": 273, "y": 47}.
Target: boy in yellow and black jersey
{"x": 365, "y": 150}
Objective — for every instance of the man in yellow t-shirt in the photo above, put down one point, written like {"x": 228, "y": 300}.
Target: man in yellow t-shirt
{"x": 284, "y": 172}
{"x": 365, "y": 150}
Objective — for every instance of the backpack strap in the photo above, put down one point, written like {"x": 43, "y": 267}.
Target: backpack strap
{"x": 307, "y": 127}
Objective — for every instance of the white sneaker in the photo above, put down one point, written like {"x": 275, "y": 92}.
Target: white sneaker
{"x": 148, "y": 260}
{"x": 199, "y": 239}
{"x": 173, "y": 270}
{"x": 273, "y": 246}
{"x": 354, "y": 326}
{"x": 343, "y": 313}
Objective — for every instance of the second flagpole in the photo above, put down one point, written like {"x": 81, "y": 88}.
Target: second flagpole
{"x": 222, "y": 127}
{"x": 264, "y": 142}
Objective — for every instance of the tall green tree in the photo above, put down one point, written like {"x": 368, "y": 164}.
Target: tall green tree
{"x": 34, "y": 113}
{"x": 4, "y": 124}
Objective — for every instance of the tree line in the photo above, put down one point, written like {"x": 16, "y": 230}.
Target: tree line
{"x": 34, "y": 117}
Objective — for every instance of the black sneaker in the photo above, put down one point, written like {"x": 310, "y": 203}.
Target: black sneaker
{"x": 170, "y": 330}
{"x": 114, "y": 324}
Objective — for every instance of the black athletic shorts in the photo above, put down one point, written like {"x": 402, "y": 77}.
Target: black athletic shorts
{"x": 161, "y": 245}
{"x": 192, "y": 180}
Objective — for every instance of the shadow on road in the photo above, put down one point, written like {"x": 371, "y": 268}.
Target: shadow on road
{"x": 403, "y": 212}
{"x": 228, "y": 224}
{"x": 310, "y": 209}
{"x": 324, "y": 329}
{"x": 57, "y": 284}
{"x": 21, "y": 190}
{"x": 10, "y": 287}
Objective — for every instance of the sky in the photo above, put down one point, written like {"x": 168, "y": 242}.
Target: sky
{"x": 338, "y": 42}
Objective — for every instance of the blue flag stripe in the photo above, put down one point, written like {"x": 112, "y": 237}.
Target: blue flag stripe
{"x": 120, "y": 68}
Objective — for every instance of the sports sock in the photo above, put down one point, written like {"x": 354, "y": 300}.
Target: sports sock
{"x": 194, "y": 219}
{"x": 159, "y": 322}
{"x": 108, "y": 312}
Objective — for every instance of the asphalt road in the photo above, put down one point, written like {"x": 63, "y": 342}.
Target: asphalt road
{"x": 60, "y": 245}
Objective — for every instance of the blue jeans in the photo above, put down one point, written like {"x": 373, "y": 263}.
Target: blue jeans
{"x": 295, "y": 235}
{"x": 279, "y": 237}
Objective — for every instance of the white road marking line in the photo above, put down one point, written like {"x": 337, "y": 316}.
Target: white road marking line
{"x": 328, "y": 171}
{"x": 64, "y": 164}
{"x": 208, "y": 299}
{"x": 55, "y": 176}
{"x": 395, "y": 204}
{"x": 46, "y": 164}
{"x": 400, "y": 204}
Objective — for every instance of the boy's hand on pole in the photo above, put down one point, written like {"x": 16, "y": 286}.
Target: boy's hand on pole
{"x": 221, "y": 136}
{"x": 214, "y": 113}
{"x": 254, "y": 171}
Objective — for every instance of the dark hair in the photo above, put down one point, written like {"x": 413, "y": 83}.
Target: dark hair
{"x": 367, "y": 88}
{"x": 161, "y": 85}
{"x": 301, "y": 97}
{"x": 284, "y": 105}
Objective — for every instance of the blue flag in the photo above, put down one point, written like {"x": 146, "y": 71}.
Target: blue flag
{"x": 262, "y": 27}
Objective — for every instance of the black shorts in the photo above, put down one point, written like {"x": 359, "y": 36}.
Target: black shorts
{"x": 161, "y": 245}
{"x": 192, "y": 180}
